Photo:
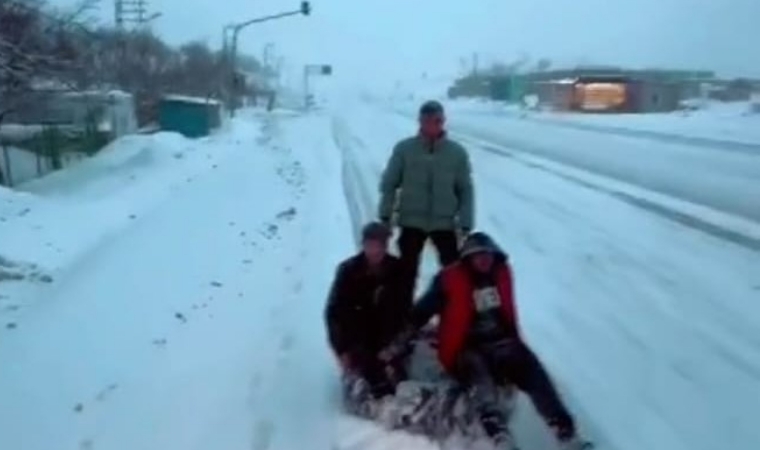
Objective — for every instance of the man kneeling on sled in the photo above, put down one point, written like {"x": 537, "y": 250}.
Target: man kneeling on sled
{"x": 479, "y": 343}
{"x": 366, "y": 309}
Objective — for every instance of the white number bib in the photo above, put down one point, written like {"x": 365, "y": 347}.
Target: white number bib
{"x": 486, "y": 299}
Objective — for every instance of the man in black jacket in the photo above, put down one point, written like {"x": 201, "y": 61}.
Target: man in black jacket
{"x": 367, "y": 307}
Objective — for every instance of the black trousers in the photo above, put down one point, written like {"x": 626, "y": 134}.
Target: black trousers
{"x": 481, "y": 372}
{"x": 412, "y": 241}
{"x": 374, "y": 372}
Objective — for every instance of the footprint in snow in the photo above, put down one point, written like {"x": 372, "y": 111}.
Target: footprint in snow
{"x": 270, "y": 231}
{"x": 181, "y": 317}
{"x": 262, "y": 435}
{"x": 216, "y": 284}
{"x": 104, "y": 393}
{"x": 86, "y": 444}
{"x": 287, "y": 215}
{"x": 286, "y": 343}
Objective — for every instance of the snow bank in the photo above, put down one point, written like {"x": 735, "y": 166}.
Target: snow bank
{"x": 49, "y": 223}
{"x": 197, "y": 327}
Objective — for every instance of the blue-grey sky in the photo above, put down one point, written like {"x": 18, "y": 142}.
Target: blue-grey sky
{"x": 382, "y": 40}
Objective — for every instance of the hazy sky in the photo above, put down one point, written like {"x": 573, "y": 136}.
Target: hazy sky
{"x": 382, "y": 40}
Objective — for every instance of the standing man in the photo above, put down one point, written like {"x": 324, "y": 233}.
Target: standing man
{"x": 428, "y": 183}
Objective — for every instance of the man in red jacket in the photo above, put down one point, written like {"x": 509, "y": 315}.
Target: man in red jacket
{"x": 479, "y": 342}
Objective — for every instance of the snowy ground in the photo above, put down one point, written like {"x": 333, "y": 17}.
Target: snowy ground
{"x": 649, "y": 326}
{"x": 174, "y": 292}
{"x": 196, "y": 323}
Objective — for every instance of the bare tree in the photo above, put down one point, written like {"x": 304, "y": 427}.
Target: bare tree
{"x": 37, "y": 47}
{"x": 44, "y": 48}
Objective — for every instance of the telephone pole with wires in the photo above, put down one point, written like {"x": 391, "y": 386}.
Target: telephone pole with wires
{"x": 132, "y": 11}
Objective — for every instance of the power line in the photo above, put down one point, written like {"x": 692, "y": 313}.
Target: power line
{"x": 131, "y": 11}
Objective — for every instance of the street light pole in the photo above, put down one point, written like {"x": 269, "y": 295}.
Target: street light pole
{"x": 305, "y": 10}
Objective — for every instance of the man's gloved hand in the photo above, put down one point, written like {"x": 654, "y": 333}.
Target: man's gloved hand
{"x": 398, "y": 346}
{"x": 344, "y": 359}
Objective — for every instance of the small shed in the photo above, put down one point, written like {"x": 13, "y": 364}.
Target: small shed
{"x": 190, "y": 116}
{"x": 509, "y": 88}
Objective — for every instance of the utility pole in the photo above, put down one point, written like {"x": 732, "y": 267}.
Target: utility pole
{"x": 236, "y": 28}
{"x": 132, "y": 11}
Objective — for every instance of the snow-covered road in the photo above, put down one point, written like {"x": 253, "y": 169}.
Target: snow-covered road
{"x": 722, "y": 177}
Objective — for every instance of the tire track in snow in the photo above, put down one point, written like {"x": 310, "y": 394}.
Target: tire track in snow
{"x": 749, "y": 148}
{"x": 682, "y": 218}
{"x": 355, "y": 187}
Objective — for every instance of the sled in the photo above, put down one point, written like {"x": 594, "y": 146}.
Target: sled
{"x": 428, "y": 403}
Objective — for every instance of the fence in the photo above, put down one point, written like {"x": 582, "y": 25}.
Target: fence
{"x": 59, "y": 129}
{"x": 33, "y": 151}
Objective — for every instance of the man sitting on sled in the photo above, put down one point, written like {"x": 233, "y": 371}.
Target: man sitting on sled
{"x": 479, "y": 343}
{"x": 367, "y": 307}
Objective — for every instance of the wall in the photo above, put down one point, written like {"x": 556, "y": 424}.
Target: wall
{"x": 648, "y": 97}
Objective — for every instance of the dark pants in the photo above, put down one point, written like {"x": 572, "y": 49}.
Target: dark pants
{"x": 374, "y": 372}
{"x": 481, "y": 372}
{"x": 410, "y": 245}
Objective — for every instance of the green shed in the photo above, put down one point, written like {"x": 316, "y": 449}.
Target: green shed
{"x": 509, "y": 88}
{"x": 190, "y": 116}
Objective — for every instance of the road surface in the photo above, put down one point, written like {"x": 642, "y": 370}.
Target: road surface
{"x": 724, "y": 178}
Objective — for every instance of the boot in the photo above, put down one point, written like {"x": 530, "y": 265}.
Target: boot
{"x": 495, "y": 426}
{"x": 568, "y": 436}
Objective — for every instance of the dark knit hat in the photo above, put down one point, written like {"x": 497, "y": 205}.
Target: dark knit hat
{"x": 430, "y": 108}
{"x": 376, "y": 231}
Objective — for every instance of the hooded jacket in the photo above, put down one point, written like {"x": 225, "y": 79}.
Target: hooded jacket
{"x": 476, "y": 310}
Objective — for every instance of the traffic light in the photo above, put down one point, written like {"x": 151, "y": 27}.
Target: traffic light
{"x": 305, "y": 8}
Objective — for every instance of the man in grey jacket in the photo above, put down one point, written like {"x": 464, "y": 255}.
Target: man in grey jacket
{"x": 427, "y": 183}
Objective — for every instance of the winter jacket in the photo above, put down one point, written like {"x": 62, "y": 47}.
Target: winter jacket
{"x": 476, "y": 310}
{"x": 432, "y": 183}
{"x": 366, "y": 310}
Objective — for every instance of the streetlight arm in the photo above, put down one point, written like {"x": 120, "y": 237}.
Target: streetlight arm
{"x": 240, "y": 26}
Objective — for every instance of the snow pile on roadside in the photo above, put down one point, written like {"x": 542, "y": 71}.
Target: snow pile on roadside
{"x": 181, "y": 331}
{"x": 124, "y": 160}
{"x": 51, "y": 222}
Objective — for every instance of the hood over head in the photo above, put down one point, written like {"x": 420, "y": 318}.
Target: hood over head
{"x": 481, "y": 242}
